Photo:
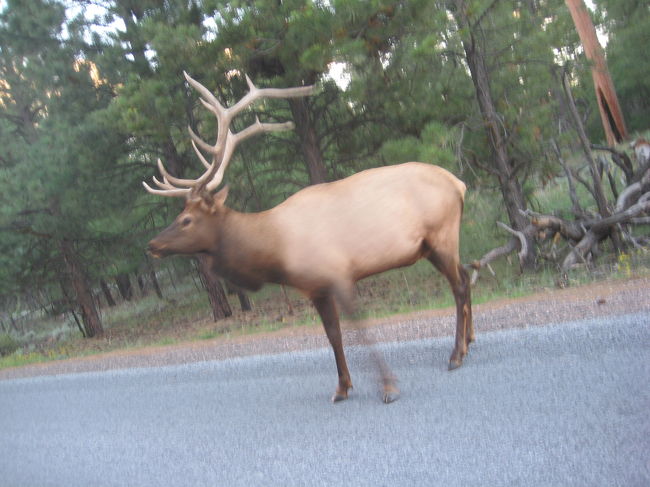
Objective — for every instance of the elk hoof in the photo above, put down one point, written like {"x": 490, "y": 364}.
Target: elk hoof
{"x": 390, "y": 393}
{"x": 456, "y": 359}
{"x": 340, "y": 395}
{"x": 455, "y": 363}
{"x": 390, "y": 396}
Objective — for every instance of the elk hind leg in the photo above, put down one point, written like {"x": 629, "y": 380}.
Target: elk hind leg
{"x": 326, "y": 308}
{"x": 449, "y": 265}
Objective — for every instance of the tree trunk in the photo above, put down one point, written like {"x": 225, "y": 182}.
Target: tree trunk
{"x": 217, "y": 296}
{"x": 141, "y": 284}
{"x": 107, "y": 292}
{"x": 154, "y": 282}
{"x": 132, "y": 13}
{"x": 510, "y": 186}
{"x": 123, "y": 282}
{"x": 13, "y": 322}
{"x": 597, "y": 187}
{"x": 244, "y": 300}
{"x": 309, "y": 142}
{"x": 610, "y": 110}
{"x": 89, "y": 316}
{"x": 173, "y": 161}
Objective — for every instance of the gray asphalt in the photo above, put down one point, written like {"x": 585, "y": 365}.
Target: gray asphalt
{"x": 564, "y": 404}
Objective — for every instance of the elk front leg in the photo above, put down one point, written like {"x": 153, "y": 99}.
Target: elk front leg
{"x": 327, "y": 311}
{"x": 345, "y": 295}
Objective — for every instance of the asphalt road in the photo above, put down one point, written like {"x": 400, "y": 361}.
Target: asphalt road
{"x": 558, "y": 405}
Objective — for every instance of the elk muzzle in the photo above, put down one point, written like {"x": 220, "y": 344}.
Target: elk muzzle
{"x": 162, "y": 244}
{"x": 157, "y": 250}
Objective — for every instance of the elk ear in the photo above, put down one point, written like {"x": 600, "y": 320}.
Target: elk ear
{"x": 215, "y": 201}
{"x": 220, "y": 196}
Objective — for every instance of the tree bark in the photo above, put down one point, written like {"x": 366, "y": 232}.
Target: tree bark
{"x": 597, "y": 188}
{"x": 141, "y": 284}
{"x": 123, "y": 282}
{"x": 509, "y": 184}
{"x": 107, "y": 292}
{"x": 244, "y": 300}
{"x": 610, "y": 110}
{"x": 154, "y": 282}
{"x": 84, "y": 297}
{"x": 217, "y": 296}
{"x": 309, "y": 142}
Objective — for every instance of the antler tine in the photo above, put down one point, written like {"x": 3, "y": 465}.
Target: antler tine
{"x": 211, "y": 107}
{"x": 166, "y": 192}
{"x": 256, "y": 93}
{"x": 208, "y": 97}
{"x": 224, "y": 117}
{"x": 249, "y": 82}
{"x": 234, "y": 139}
{"x": 202, "y": 143}
{"x": 202, "y": 158}
{"x": 167, "y": 188}
{"x": 188, "y": 183}
{"x": 164, "y": 184}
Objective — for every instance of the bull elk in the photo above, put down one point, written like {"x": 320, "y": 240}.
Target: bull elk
{"x": 324, "y": 238}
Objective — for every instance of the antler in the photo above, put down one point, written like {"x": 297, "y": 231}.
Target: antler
{"x": 226, "y": 141}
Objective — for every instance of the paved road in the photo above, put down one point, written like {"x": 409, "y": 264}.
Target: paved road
{"x": 558, "y": 405}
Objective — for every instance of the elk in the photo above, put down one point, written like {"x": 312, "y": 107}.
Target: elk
{"x": 324, "y": 238}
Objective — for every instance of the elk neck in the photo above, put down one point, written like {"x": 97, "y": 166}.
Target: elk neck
{"x": 247, "y": 251}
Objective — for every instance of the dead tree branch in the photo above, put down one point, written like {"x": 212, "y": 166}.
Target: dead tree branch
{"x": 517, "y": 242}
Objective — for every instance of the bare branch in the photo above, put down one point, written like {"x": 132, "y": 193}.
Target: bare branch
{"x": 523, "y": 246}
{"x": 569, "y": 230}
{"x": 621, "y": 159}
{"x": 517, "y": 242}
{"x": 575, "y": 203}
{"x": 493, "y": 254}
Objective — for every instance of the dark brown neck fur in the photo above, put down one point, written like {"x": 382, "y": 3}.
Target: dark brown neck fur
{"x": 246, "y": 250}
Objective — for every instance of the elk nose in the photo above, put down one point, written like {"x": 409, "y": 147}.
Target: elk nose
{"x": 154, "y": 250}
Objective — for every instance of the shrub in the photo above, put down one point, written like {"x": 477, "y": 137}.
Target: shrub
{"x": 7, "y": 345}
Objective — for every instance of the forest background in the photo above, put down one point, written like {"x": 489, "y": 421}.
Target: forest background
{"x": 92, "y": 93}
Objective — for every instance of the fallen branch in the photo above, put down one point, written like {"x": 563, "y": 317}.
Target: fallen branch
{"x": 631, "y": 191}
{"x": 569, "y": 230}
{"x": 621, "y": 159}
{"x": 603, "y": 228}
{"x": 583, "y": 234}
{"x": 523, "y": 246}
{"x": 518, "y": 242}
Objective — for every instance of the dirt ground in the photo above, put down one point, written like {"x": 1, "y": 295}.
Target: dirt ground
{"x": 610, "y": 297}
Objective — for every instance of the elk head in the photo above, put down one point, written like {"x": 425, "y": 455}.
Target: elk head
{"x": 196, "y": 228}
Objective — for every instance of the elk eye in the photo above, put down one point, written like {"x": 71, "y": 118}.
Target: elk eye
{"x": 186, "y": 221}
